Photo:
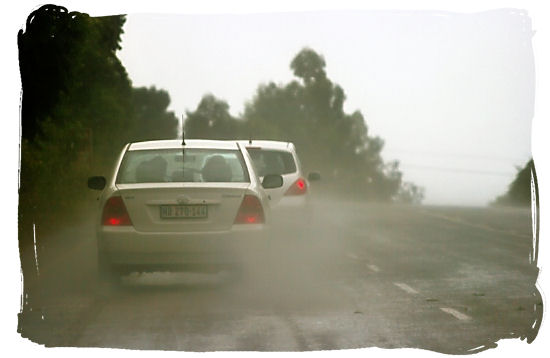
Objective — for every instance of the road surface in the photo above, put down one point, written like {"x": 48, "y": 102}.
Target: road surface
{"x": 359, "y": 275}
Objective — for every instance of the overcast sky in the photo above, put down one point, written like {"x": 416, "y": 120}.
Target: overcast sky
{"x": 451, "y": 94}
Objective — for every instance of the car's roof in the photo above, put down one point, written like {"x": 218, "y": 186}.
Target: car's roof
{"x": 189, "y": 143}
{"x": 268, "y": 144}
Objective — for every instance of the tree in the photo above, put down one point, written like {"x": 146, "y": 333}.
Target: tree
{"x": 309, "y": 66}
{"x": 211, "y": 120}
{"x": 519, "y": 191}
{"x": 78, "y": 110}
{"x": 64, "y": 57}
{"x": 410, "y": 193}
{"x": 76, "y": 98}
{"x": 310, "y": 112}
{"x": 151, "y": 118}
{"x": 46, "y": 49}
{"x": 51, "y": 51}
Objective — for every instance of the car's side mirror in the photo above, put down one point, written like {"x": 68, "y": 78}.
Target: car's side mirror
{"x": 97, "y": 183}
{"x": 314, "y": 176}
{"x": 272, "y": 181}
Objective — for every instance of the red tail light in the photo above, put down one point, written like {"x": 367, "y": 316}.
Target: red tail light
{"x": 299, "y": 187}
{"x": 250, "y": 211}
{"x": 115, "y": 213}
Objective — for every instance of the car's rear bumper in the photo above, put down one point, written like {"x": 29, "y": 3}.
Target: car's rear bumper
{"x": 292, "y": 201}
{"x": 292, "y": 210}
{"x": 124, "y": 246}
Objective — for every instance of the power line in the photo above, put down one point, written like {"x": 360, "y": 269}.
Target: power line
{"x": 458, "y": 170}
{"x": 456, "y": 155}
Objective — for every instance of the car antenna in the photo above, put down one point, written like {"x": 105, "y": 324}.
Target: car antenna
{"x": 182, "y": 132}
{"x": 182, "y": 149}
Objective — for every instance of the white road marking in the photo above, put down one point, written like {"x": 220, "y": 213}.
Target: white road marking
{"x": 475, "y": 349}
{"x": 406, "y": 287}
{"x": 352, "y": 256}
{"x": 373, "y": 268}
{"x": 35, "y": 251}
{"x": 456, "y": 314}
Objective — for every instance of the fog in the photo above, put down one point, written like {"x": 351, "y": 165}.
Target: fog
{"x": 292, "y": 269}
{"x": 353, "y": 275}
{"x": 450, "y": 94}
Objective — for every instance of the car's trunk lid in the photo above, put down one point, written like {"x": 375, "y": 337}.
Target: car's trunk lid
{"x": 182, "y": 207}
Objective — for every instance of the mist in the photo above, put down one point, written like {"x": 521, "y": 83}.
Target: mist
{"x": 414, "y": 121}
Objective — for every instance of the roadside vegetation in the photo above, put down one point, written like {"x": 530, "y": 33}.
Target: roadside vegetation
{"x": 309, "y": 111}
{"x": 78, "y": 109}
{"x": 519, "y": 191}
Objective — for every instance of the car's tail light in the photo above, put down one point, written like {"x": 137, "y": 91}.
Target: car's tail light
{"x": 299, "y": 187}
{"x": 250, "y": 211}
{"x": 115, "y": 213}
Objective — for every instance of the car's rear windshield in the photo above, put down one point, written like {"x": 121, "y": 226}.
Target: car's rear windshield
{"x": 267, "y": 161}
{"x": 171, "y": 165}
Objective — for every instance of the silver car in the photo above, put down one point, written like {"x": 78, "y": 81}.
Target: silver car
{"x": 169, "y": 205}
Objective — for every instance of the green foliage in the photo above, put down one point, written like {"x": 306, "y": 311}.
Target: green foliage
{"x": 78, "y": 109}
{"x": 410, "y": 193}
{"x": 519, "y": 191}
{"x": 45, "y": 54}
{"x": 51, "y": 166}
{"x": 309, "y": 66}
{"x": 329, "y": 139}
{"x": 211, "y": 120}
{"x": 151, "y": 118}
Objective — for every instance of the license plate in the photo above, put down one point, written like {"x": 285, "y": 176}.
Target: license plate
{"x": 183, "y": 211}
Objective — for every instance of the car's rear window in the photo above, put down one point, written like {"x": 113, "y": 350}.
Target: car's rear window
{"x": 170, "y": 165}
{"x": 267, "y": 161}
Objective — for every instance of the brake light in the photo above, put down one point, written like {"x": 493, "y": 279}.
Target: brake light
{"x": 299, "y": 187}
{"x": 115, "y": 213}
{"x": 250, "y": 211}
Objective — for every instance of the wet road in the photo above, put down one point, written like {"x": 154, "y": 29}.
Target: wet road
{"x": 449, "y": 280}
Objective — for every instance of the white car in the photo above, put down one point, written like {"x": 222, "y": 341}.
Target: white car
{"x": 173, "y": 206}
{"x": 280, "y": 158}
